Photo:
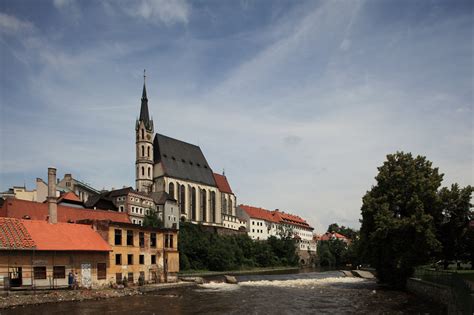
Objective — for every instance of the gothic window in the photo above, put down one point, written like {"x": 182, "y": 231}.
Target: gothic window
{"x": 193, "y": 204}
{"x": 149, "y": 171}
{"x": 143, "y": 150}
{"x": 148, "y": 151}
{"x": 143, "y": 134}
{"x": 224, "y": 204}
{"x": 143, "y": 171}
{"x": 171, "y": 190}
{"x": 213, "y": 206}
{"x": 230, "y": 206}
{"x": 203, "y": 205}
{"x": 182, "y": 200}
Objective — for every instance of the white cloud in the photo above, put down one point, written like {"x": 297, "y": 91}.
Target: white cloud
{"x": 168, "y": 12}
{"x": 12, "y": 25}
{"x": 69, "y": 7}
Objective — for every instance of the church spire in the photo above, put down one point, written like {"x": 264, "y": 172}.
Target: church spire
{"x": 144, "y": 116}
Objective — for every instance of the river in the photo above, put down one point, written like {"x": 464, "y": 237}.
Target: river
{"x": 305, "y": 293}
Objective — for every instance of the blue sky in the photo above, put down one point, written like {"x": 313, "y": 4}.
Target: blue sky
{"x": 299, "y": 101}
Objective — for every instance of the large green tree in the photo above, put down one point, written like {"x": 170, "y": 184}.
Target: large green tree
{"x": 346, "y": 231}
{"x": 398, "y": 213}
{"x": 456, "y": 215}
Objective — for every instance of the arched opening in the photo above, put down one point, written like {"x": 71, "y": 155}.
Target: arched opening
{"x": 149, "y": 171}
{"x": 143, "y": 134}
{"x": 213, "y": 206}
{"x": 203, "y": 205}
{"x": 182, "y": 197}
{"x": 224, "y": 204}
{"x": 148, "y": 151}
{"x": 143, "y": 150}
{"x": 193, "y": 204}
{"x": 171, "y": 190}
{"x": 143, "y": 171}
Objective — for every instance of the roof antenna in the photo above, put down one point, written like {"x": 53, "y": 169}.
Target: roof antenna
{"x": 223, "y": 172}
{"x": 144, "y": 76}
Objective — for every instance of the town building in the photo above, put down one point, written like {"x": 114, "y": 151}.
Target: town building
{"x": 332, "y": 236}
{"x": 137, "y": 251}
{"x": 82, "y": 190}
{"x": 136, "y": 204}
{"x": 165, "y": 164}
{"x": 262, "y": 224}
{"x": 167, "y": 208}
{"x": 37, "y": 254}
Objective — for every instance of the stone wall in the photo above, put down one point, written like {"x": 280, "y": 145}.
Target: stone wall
{"x": 434, "y": 292}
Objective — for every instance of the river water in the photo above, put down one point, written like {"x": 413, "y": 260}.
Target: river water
{"x": 307, "y": 293}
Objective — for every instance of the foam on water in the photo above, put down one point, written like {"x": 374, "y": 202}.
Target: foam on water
{"x": 292, "y": 283}
{"x": 301, "y": 282}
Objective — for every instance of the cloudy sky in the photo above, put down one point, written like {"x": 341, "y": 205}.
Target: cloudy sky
{"x": 299, "y": 101}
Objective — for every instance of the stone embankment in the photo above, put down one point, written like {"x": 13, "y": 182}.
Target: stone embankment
{"x": 11, "y": 299}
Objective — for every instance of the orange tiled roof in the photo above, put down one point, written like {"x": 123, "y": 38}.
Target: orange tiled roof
{"x": 16, "y": 208}
{"x": 222, "y": 183}
{"x": 13, "y": 235}
{"x": 69, "y": 196}
{"x": 329, "y": 236}
{"x": 275, "y": 216}
{"x": 259, "y": 213}
{"x": 65, "y": 236}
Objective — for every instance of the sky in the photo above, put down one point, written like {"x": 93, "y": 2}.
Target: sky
{"x": 298, "y": 101}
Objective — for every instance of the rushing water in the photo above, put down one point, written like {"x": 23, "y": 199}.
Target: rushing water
{"x": 307, "y": 293}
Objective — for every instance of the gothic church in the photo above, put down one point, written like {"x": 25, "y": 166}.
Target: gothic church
{"x": 181, "y": 170}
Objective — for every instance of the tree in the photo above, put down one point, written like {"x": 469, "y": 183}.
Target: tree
{"x": 151, "y": 219}
{"x": 456, "y": 214}
{"x": 398, "y": 216}
{"x": 346, "y": 231}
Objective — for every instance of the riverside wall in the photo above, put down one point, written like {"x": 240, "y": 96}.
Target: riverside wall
{"x": 434, "y": 292}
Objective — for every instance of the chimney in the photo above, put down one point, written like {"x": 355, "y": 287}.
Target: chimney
{"x": 52, "y": 206}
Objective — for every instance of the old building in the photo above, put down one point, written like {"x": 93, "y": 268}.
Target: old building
{"x": 135, "y": 203}
{"x": 262, "y": 223}
{"x": 82, "y": 190}
{"x": 167, "y": 208}
{"x": 138, "y": 251}
{"x": 165, "y": 164}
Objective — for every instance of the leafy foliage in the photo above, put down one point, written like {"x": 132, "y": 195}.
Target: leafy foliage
{"x": 399, "y": 215}
{"x": 346, "y": 231}
{"x": 203, "y": 250}
{"x": 151, "y": 219}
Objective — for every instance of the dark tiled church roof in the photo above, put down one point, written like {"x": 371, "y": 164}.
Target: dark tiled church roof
{"x": 182, "y": 160}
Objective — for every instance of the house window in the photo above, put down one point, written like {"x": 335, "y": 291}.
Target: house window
{"x": 101, "y": 271}
{"x": 152, "y": 239}
{"x": 169, "y": 240}
{"x": 153, "y": 259}
{"x": 182, "y": 198}
{"x": 130, "y": 259}
{"x": 118, "y": 277}
{"x": 130, "y": 277}
{"x": 141, "y": 259}
{"x": 118, "y": 237}
{"x": 121, "y": 209}
{"x": 39, "y": 273}
{"x": 59, "y": 272}
{"x": 118, "y": 259}
{"x": 141, "y": 239}
{"x": 149, "y": 172}
{"x": 129, "y": 238}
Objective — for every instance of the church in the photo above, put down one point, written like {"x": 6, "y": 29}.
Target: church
{"x": 165, "y": 164}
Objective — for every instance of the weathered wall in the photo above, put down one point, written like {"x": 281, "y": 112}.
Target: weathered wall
{"x": 432, "y": 291}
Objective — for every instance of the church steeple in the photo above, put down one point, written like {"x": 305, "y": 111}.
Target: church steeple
{"x": 144, "y": 116}
{"x": 144, "y": 146}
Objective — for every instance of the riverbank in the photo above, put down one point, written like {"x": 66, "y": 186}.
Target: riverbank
{"x": 13, "y": 299}
{"x": 207, "y": 273}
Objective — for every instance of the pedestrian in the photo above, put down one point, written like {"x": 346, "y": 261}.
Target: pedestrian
{"x": 70, "y": 279}
{"x": 76, "y": 281}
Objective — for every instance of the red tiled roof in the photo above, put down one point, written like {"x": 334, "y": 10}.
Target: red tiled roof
{"x": 275, "y": 216}
{"x": 65, "y": 236}
{"x": 13, "y": 235}
{"x": 222, "y": 183}
{"x": 329, "y": 236}
{"x": 259, "y": 213}
{"x": 16, "y": 208}
{"x": 69, "y": 196}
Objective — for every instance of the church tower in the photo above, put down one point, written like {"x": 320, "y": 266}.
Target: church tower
{"x": 144, "y": 146}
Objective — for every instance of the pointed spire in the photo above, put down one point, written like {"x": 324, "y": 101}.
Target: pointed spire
{"x": 144, "y": 116}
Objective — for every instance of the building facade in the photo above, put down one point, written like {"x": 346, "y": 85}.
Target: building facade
{"x": 180, "y": 169}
